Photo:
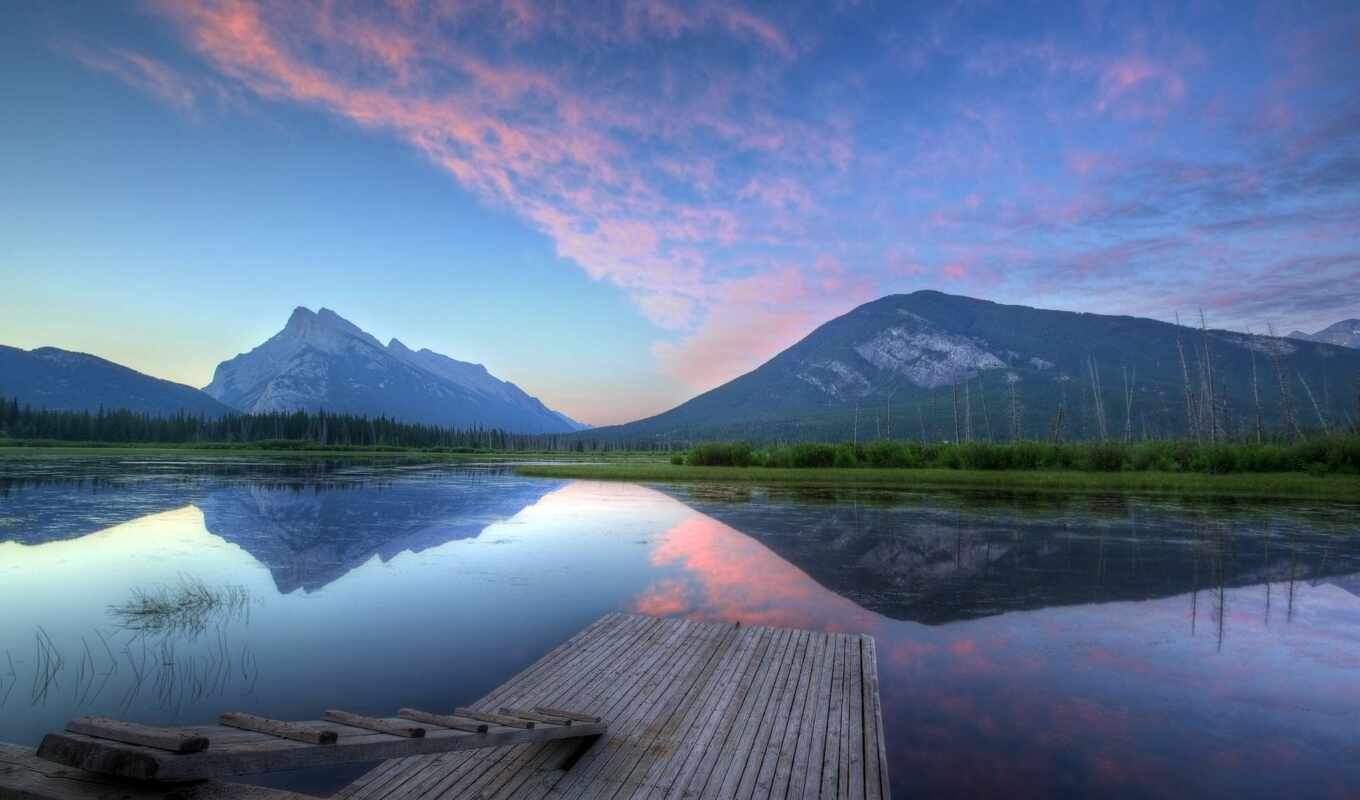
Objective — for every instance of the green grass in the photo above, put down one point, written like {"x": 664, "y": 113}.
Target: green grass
{"x": 1265, "y": 485}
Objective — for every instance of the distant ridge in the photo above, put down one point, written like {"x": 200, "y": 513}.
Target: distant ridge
{"x": 62, "y": 380}
{"x": 1345, "y": 333}
{"x": 918, "y": 349}
{"x": 320, "y": 360}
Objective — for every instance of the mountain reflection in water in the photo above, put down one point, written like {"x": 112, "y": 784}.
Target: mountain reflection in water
{"x": 1028, "y": 647}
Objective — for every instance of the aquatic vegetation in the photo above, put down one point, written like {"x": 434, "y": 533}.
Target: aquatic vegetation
{"x": 186, "y": 607}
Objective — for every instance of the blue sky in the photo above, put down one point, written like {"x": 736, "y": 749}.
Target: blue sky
{"x": 618, "y": 205}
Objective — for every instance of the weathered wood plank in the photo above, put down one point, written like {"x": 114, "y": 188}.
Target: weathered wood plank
{"x": 648, "y": 777}
{"x": 511, "y": 770}
{"x": 557, "y": 712}
{"x": 374, "y": 724}
{"x": 834, "y": 779}
{"x": 169, "y": 739}
{"x": 699, "y": 766}
{"x": 854, "y": 670}
{"x": 653, "y": 679}
{"x": 443, "y": 720}
{"x": 736, "y": 750}
{"x": 690, "y": 661}
{"x": 279, "y": 728}
{"x": 533, "y": 716}
{"x": 876, "y": 750}
{"x": 761, "y": 772}
{"x": 495, "y": 719}
{"x": 805, "y": 776}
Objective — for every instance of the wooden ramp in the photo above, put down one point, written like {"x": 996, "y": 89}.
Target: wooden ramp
{"x": 695, "y": 710}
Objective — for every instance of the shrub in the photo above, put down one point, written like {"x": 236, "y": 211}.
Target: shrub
{"x": 720, "y": 454}
{"x": 813, "y": 455}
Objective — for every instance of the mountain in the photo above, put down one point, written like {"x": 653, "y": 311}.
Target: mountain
{"x": 1345, "y": 333}
{"x": 891, "y": 368}
{"x": 62, "y": 380}
{"x": 320, "y": 360}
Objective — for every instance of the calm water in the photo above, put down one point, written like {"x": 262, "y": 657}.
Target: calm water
{"x": 1028, "y": 647}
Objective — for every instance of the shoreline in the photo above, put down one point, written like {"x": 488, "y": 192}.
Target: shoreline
{"x": 1281, "y": 486}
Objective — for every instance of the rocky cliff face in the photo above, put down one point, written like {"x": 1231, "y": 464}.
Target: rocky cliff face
{"x": 322, "y": 361}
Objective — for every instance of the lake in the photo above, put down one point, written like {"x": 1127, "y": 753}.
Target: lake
{"x": 1029, "y": 646}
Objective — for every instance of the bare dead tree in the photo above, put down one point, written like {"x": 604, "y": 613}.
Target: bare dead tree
{"x": 1289, "y": 421}
{"x": 1102, "y": 430}
{"x": 1012, "y": 379}
{"x": 1191, "y": 413}
{"x": 956, "y": 413}
{"x": 1207, "y": 370}
{"x": 1058, "y": 424}
{"x": 1322, "y": 418}
{"x": 1129, "y": 381}
{"x": 1256, "y": 397}
{"x": 986, "y": 411}
{"x": 968, "y": 411}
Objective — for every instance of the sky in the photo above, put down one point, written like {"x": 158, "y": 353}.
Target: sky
{"x": 619, "y": 205}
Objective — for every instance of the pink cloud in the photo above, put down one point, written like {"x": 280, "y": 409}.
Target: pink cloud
{"x": 1139, "y": 87}
{"x": 138, "y": 71}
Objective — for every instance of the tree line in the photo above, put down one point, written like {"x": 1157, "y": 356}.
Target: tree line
{"x": 275, "y": 429}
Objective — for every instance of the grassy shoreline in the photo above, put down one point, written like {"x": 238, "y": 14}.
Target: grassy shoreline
{"x": 1288, "y": 486}
{"x": 433, "y": 456}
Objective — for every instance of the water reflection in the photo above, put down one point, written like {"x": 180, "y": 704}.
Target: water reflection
{"x": 1042, "y": 647}
{"x": 937, "y": 559}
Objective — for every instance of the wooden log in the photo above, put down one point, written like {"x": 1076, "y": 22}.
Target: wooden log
{"x": 374, "y": 724}
{"x": 279, "y": 728}
{"x": 443, "y": 720}
{"x": 573, "y": 715}
{"x": 535, "y": 716}
{"x": 495, "y": 719}
{"x": 175, "y": 741}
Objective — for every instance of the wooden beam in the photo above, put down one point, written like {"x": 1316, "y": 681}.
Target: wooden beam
{"x": 573, "y": 715}
{"x": 24, "y": 776}
{"x": 443, "y": 720}
{"x": 374, "y": 724}
{"x": 283, "y": 730}
{"x": 535, "y": 716}
{"x": 494, "y": 719}
{"x": 269, "y": 754}
{"x": 175, "y": 741}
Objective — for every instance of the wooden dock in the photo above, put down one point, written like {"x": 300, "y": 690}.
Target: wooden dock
{"x": 702, "y": 710}
{"x": 659, "y": 708}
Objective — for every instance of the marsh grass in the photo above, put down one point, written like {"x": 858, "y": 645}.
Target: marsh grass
{"x": 187, "y": 607}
